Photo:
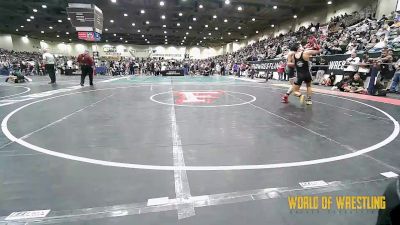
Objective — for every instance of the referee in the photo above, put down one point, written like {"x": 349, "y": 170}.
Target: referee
{"x": 48, "y": 60}
{"x": 86, "y": 62}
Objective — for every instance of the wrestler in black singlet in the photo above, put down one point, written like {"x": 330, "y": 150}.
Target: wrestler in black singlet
{"x": 303, "y": 70}
{"x": 290, "y": 72}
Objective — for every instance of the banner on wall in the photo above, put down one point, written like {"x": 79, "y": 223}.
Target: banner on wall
{"x": 335, "y": 63}
{"x": 108, "y": 49}
{"x": 89, "y": 36}
{"x": 167, "y": 55}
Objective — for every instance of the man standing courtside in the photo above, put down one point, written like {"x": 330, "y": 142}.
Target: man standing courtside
{"x": 86, "y": 62}
{"x": 48, "y": 60}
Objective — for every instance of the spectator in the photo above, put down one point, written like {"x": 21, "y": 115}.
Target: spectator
{"x": 355, "y": 85}
{"x": 396, "y": 79}
{"x": 352, "y": 65}
{"x": 363, "y": 68}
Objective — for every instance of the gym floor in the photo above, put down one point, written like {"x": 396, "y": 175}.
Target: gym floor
{"x": 188, "y": 150}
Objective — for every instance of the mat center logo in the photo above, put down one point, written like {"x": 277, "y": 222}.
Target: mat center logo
{"x": 197, "y": 97}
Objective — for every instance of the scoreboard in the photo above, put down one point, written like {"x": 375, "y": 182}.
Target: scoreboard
{"x": 85, "y": 17}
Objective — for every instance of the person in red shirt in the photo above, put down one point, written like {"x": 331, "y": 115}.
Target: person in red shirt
{"x": 86, "y": 62}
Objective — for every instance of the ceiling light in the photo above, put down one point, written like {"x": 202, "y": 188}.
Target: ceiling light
{"x": 165, "y": 36}
{"x": 209, "y": 34}
{"x": 184, "y": 37}
{"x": 29, "y": 20}
{"x": 111, "y": 21}
{"x": 254, "y": 19}
{"x": 197, "y": 43}
{"x": 32, "y": 17}
{"x": 114, "y": 1}
{"x": 166, "y": 40}
{"x": 142, "y": 11}
{"x": 145, "y": 39}
{"x": 106, "y": 29}
{"x": 204, "y": 38}
{"x": 126, "y": 41}
{"x": 44, "y": 6}
{"x": 148, "y": 42}
{"x": 16, "y": 30}
{"x": 245, "y": 36}
{"x": 178, "y": 24}
{"x": 329, "y": 2}
{"x": 190, "y": 27}
{"x": 236, "y": 40}
{"x": 162, "y": 3}
{"x": 51, "y": 28}
{"x": 229, "y": 33}
{"x": 70, "y": 39}
{"x": 125, "y": 14}
{"x": 239, "y": 28}
{"x": 58, "y": 35}
{"x": 60, "y": 21}
{"x": 272, "y": 25}
{"x": 215, "y": 16}
{"x": 133, "y": 24}
{"x": 138, "y": 31}
{"x": 163, "y": 17}
{"x": 147, "y": 22}
{"x": 187, "y": 33}
{"x": 200, "y": 6}
{"x": 142, "y": 35}
{"x": 206, "y": 25}
{"x": 227, "y": 2}
{"x": 166, "y": 43}
{"x": 295, "y": 16}
{"x": 165, "y": 32}
{"x": 240, "y": 8}
{"x": 120, "y": 38}
{"x": 256, "y": 31}
{"x": 67, "y": 32}
{"x": 106, "y": 40}
{"x": 180, "y": 14}
{"x": 40, "y": 31}
{"x": 216, "y": 28}
{"x": 222, "y": 38}
{"x": 164, "y": 25}
{"x": 194, "y": 19}
{"x": 34, "y": 10}
{"x": 115, "y": 35}
{"x": 225, "y": 20}
{"x": 68, "y": 18}
{"x": 275, "y": 7}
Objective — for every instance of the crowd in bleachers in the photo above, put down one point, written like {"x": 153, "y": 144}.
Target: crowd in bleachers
{"x": 28, "y": 62}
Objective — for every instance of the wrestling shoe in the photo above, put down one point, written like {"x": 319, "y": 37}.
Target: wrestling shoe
{"x": 308, "y": 102}
{"x": 285, "y": 99}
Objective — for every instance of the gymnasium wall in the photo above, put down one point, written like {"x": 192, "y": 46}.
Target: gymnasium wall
{"x": 385, "y": 7}
{"x": 6, "y": 41}
{"x": 22, "y": 43}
